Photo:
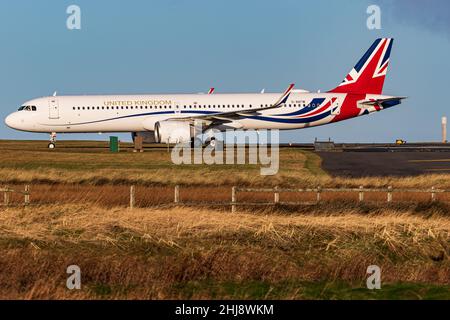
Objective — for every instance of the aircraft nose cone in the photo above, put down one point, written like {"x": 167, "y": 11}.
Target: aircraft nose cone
{"x": 9, "y": 121}
{"x": 14, "y": 121}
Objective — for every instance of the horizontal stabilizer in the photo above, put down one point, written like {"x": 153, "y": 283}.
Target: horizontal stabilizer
{"x": 379, "y": 104}
{"x": 387, "y": 101}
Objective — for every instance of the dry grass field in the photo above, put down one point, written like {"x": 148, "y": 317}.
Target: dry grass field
{"x": 203, "y": 253}
{"x": 79, "y": 215}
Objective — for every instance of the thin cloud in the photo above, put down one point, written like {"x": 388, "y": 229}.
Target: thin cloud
{"x": 433, "y": 15}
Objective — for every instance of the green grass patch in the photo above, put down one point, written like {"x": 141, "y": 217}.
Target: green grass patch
{"x": 313, "y": 164}
{"x": 310, "y": 290}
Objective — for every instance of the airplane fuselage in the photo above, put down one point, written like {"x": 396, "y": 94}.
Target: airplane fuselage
{"x": 137, "y": 113}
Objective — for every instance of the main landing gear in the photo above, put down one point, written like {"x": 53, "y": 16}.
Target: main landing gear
{"x": 212, "y": 142}
{"x": 52, "y": 143}
{"x": 197, "y": 142}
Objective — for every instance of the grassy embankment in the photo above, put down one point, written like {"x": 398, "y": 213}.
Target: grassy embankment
{"x": 191, "y": 253}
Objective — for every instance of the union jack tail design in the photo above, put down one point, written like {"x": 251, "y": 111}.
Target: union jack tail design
{"x": 367, "y": 77}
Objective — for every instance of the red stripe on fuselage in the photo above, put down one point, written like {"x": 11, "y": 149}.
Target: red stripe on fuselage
{"x": 314, "y": 112}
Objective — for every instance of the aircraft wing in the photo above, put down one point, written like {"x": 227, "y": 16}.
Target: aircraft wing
{"x": 226, "y": 117}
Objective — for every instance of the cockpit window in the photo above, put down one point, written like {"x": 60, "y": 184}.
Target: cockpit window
{"x": 28, "y": 108}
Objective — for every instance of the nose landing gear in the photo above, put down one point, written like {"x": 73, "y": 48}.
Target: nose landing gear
{"x": 52, "y": 143}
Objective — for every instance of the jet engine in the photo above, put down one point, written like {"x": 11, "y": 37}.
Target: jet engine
{"x": 170, "y": 131}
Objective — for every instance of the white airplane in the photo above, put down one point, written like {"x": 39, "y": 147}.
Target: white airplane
{"x": 170, "y": 118}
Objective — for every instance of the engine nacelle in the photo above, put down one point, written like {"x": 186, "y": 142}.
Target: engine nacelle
{"x": 170, "y": 131}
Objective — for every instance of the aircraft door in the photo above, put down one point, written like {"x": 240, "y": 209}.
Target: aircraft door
{"x": 53, "y": 108}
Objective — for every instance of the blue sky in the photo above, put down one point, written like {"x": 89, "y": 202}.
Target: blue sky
{"x": 236, "y": 46}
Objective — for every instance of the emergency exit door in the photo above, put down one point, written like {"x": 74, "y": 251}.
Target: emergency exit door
{"x": 53, "y": 108}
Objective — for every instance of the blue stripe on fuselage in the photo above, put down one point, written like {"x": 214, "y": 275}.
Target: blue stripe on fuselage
{"x": 261, "y": 118}
{"x": 135, "y": 115}
{"x": 292, "y": 120}
{"x": 316, "y": 102}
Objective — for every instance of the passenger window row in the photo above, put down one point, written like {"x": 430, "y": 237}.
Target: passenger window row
{"x": 223, "y": 106}
{"x": 159, "y": 107}
{"x": 297, "y": 105}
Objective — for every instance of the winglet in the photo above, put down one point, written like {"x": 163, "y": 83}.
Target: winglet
{"x": 285, "y": 96}
{"x": 211, "y": 90}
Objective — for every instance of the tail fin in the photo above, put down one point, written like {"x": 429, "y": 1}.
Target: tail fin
{"x": 369, "y": 73}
